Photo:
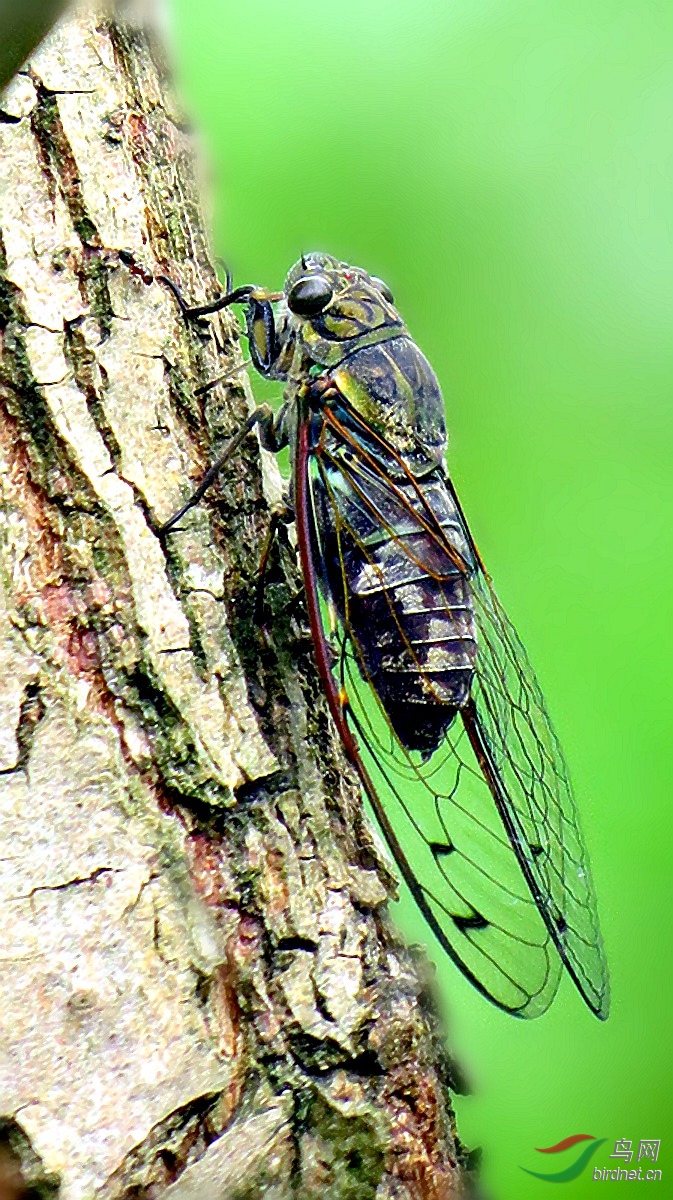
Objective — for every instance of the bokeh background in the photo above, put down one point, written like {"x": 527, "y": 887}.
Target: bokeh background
{"x": 506, "y": 166}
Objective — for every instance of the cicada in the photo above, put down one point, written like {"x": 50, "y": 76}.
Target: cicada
{"x": 426, "y": 679}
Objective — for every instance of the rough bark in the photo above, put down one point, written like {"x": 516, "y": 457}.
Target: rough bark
{"x": 200, "y": 994}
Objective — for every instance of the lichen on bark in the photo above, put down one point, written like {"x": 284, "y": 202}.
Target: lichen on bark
{"x": 201, "y": 991}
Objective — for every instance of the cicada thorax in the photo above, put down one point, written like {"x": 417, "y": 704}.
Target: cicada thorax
{"x": 394, "y": 553}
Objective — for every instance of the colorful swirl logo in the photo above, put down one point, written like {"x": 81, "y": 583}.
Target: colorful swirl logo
{"x": 575, "y": 1168}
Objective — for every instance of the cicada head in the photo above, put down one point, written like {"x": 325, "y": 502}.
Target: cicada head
{"x": 335, "y": 309}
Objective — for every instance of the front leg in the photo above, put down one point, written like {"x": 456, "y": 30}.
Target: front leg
{"x": 259, "y": 319}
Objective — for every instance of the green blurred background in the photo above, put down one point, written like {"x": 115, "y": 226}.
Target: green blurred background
{"x": 506, "y": 166}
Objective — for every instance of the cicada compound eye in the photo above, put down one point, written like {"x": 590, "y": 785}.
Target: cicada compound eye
{"x": 309, "y": 295}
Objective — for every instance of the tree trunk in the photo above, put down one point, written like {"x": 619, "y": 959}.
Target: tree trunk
{"x": 201, "y": 995}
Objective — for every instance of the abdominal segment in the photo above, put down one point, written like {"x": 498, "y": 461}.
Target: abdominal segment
{"x": 405, "y": 603}
{"x": 418, "y": 649}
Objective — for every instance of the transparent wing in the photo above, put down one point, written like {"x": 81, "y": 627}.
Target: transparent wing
{"x": 488, "y": 824}
{"x": 535, "y": 795}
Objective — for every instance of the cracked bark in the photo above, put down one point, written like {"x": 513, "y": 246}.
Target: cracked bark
{"x": 201, "y": 994}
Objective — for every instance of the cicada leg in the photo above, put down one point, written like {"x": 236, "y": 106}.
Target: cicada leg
{"x": 280, "y": 516}
{"x": 259, "y": 318}
{"x": 194, "y": 312}
{"x": 272, "y": 437}
{"x": 229, "y": 379}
